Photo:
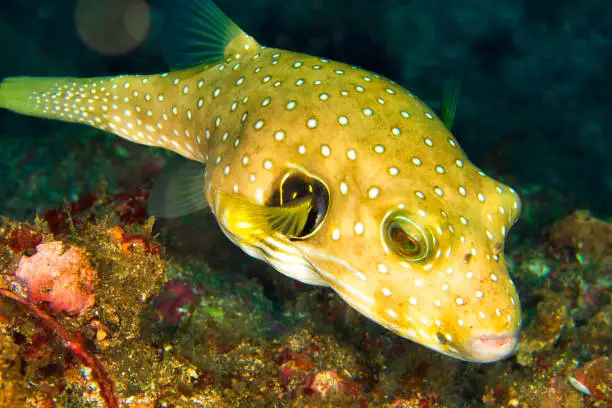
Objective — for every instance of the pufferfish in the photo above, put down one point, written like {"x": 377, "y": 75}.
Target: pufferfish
{"x": 333, "y": 175}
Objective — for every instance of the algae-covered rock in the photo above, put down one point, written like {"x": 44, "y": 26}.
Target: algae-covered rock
{"x": 552, "y": 317}
{"x": 583, "y": 238}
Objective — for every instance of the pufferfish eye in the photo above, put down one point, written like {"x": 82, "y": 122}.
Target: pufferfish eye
{"x": 406, "y": 238}
{"x": 295, "y": 186}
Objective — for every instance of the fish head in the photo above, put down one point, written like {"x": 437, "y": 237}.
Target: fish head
{"x": 413, "y": 234}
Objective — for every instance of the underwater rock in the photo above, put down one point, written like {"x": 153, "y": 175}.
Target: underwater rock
{"x": 536, "y": 267}
{"x": 552, "y": 316}
{"x": 583, "y": 238}
{"x": 62, "y": 277}
{"x": 327, "y": 382}
{"x": 295, "y": 370}
{"x": 596, "y": 336}
{"x": 545, "y": 386}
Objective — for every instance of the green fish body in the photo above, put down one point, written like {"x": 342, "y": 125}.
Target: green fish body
{"x": 333, "y": 175}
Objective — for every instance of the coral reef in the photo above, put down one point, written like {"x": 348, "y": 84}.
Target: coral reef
{"x": 552, "y": 317}
{"x": 167, "y": 328}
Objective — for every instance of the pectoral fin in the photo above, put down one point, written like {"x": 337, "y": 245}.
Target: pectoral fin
{"x": 252, "y": 221}
{"x": 265, "y": 232}
{"x": 179, "y": 190}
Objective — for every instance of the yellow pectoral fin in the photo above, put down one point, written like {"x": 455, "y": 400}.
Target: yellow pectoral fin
{"x": 251, "y": 221}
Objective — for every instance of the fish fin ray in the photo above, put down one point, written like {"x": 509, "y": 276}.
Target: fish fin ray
{"x": 179, "y": 190}
{"x": 450, "y": 98}
{"x": 198, "y": 32}
{"x": 252, "y": 221}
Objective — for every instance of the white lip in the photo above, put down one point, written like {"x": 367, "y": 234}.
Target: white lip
{"x": 487, "y": 348}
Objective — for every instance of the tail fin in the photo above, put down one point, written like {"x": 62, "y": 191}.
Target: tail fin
{"x": 32, "y": 96}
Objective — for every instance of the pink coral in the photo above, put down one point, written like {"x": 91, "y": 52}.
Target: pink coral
{"x": 63, "y": 278}
{"x": 175, "y": 295}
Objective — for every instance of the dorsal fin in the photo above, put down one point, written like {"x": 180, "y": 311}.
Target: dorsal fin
{"x": 450, "y": 98}
{"x": 197, "y": 32}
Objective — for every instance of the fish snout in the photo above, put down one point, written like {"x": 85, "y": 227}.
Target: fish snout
{"x": 489, "y": 347}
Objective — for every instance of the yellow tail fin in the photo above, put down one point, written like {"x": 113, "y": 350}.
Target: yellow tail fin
{"x": 26, "y": 95}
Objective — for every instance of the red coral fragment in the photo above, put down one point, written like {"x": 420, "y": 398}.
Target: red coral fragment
{"x": 326, "y": 382}
{"x": 169, "y": 304}
{"x": 132, "y": 209}
{"x": 23, "y": 239}
{"x": 64, "y": 279}
{"x": 129, "y": 244}
{"x": 295, "y": 369}
{"x": 58, "y": 219}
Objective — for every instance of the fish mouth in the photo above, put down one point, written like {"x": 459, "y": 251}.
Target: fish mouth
{"x": 491, "y": 347}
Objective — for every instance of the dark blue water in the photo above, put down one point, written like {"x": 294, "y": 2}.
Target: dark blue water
{"x": 534, "y": 108}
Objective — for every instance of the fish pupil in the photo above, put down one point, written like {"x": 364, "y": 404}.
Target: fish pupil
{"x": 406, "y": 244}
{"x": 298, "y": 186}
